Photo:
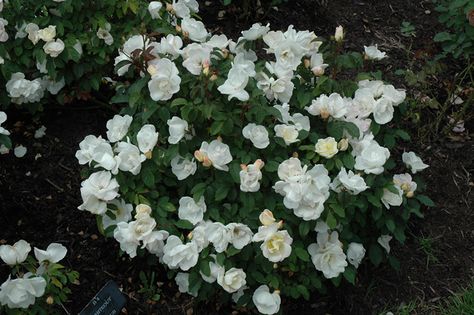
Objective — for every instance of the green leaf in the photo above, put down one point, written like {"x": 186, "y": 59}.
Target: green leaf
{"x": 205, "y": 268}
{"x": 198, "y": 191}
{"x": 304, "y": 228}
{"x": 425, "y": 200}
{"x": 184, "y": 224}
{"x": 350, "y": 274}
{"x": 390, "y": 224}
{"x": 331, "y": 221}
{"x": 375, "y": 254}
{"x": 303, "y": 290}
{"x": 221, "y": 193}
{"x": 338, "y": 210}
{"x": 442, "y": 37}
{"x": 302, "y": 254}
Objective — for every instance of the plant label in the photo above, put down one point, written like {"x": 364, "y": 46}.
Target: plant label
{"x": 109, "y": 301}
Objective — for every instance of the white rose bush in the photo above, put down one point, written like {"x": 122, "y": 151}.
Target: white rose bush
{"x": 37, "y": 283}
{"x": 254, "y": 169}
{"x": 65, "y": 49}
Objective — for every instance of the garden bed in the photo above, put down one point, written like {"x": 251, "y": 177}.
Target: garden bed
{"x": 39, "y": 195}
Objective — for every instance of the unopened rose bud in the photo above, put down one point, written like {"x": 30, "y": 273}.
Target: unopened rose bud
{"x": 199, "y": 155}
{"x": 169, "y": 7}
{"x": 324, "y": 114}
{"x": 280, "y": 224}
{"x": 410, "y": 194}
{"x": 178, "y": 29}
{"x": 205, "y": 71}
{"x": 185, "y": 34}
{"x": 339, "y": 35}
{"x": 225, "y": 53}
{"x": 190, "y": 236}
{"x": 266, "y": 217}
{"x": 295, "y": 154}
{"x": 277, "y": 292}
{"x": 259, "y": 163}
{"x": 142, "y": 210}
{"x": 213, "y": 77}
{"x": 151, "y": 70}
{"x": 343, "y": 144}
{"x": 49, "y": 300}
{"x": 318, "y": 71}
{"x": 307, "y": 63}
{"x": 149, "y": 155}
{"x": 219, "y": 138}
{"x": 207, "y": 162}
{"x": 275, "y": 266}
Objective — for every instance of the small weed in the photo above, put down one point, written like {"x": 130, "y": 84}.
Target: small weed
{"x": 426, "y": 245}
{"x": 407, "y": 29}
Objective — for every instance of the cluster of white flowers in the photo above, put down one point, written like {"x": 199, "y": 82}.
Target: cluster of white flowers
{"x": 23, "y": 291}
{"x": 305, "y": 189}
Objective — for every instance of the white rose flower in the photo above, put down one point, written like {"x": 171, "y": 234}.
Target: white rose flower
{"x": 21, "y": 292}
{"x": 240, "y": 234}
{"x": 54, "y": 48}
{"x": 155, "y": 242}
{"x": 196, "y": 58}
{"x": 190, "y": 210}
{"x": 405, "y": 182}
{"x": 199, "y": 235}
{"x": 87, "y": 148}
{"x": 289, "y": 133}
{"x": 121, "y": 213}
{"x": 349, "y": 181}
{"x": 97, "y": 190}
{"x": 250, "y": 176}
{"x": 219, "y": 236}
{"x": 301, "y": 122}
{"x": 281, "y": 88}
{"x": 3, "y": 118}
{"x": 394, "y": 95}
{"x": 124, "y": 234}
{"x": 54, "y": 87}
{"x": 391, "y": 199}
{"x": 276, "y": 244}
{"x": 171, "y": 45}
{"x": 22, "y": 90}
{"x": 165, "y": 82}
{"x": 179, "y": 255}
{"x": 383, "y": 111}
{"x": 232, "y": 280}
{"x": 327, "y": 255}
{"x": 47, "y": 34}
{"x": 54, "y": 253}
{"x": 217, "y": 153}
{"x": 363, "y": 103}
{"x": 117, "y": 127}
{"x": 104, "y": 34}
{"x": 375, "y": 86}
{"x": 182, "y": 168}
{"x": 147, "y": 138}
{"x": 32, "y": 29}
{"x": 16, "y": 254}
{"x": 325, "y": 106}
{"x": 373, "y": 53}
{"x": 235, "y": 85}
{"x": 194, "y": 29}
{"x": 182, "y": 280}
{"x": 413, "y": 162}
{"x": 129, "y": 157}
{"x": 177, "y": 129}
{"x": 355, "y": 254}
{"x": 384, "y": 241}
{"x": 256, "y": 31}
{"x": 154, "y": 8}
{"x": 258, "y": 134}
{"x": 326, "y": 147}
{"x": 3, "y": 33}
{"x": 266, "y": 302}
{"x": 215, "y": 270}
{"x": 372, "y": 158}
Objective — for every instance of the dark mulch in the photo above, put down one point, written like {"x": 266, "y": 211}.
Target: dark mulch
{"x": 39, "y": 197}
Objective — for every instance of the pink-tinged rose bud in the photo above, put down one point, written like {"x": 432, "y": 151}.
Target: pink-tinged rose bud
{"x": 149, "y": 155}
{"x": 470, "y": 17}
{"x": 169, "y": 7}
{"x": 266, "y": 217}
{"x": 318, "y": 71}
{"x": 307, "y": 63}
{"x": 295, "y": 154}
{"x": 213, "y": 77}
{"x": 343, "y": 144}
{"x": 259, "y": 163}
{"x": 50, "y": 300}
{"x": 410, "y": 194}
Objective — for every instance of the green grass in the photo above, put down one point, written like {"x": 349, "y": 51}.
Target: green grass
{"x": 460, "y": 304}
